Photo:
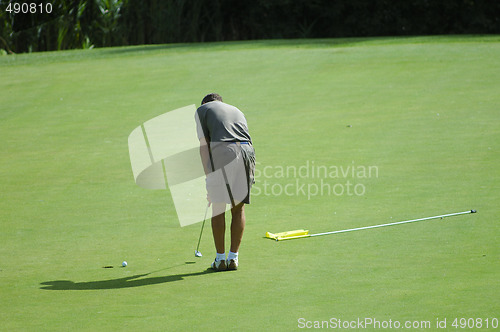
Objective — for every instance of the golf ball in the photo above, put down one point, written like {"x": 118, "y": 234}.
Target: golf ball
{"x": 124, "y": 263}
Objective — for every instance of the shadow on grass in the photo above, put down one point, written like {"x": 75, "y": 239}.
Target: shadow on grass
{"x": 137, "y": 280}
{"x": 292, "y": 42}
{"x": 242, "y": 43}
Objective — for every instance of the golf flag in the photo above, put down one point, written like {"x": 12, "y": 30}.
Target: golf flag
{"x": 164, "y": 151}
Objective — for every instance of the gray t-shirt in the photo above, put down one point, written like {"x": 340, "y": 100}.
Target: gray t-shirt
{"x": 221, "y": 122}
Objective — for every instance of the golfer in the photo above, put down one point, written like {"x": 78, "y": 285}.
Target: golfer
{"x": 228, "y": 160}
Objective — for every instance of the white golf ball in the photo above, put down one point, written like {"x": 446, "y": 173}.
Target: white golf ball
{"x": 124, "y": 263}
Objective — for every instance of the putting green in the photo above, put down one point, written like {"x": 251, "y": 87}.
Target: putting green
{"x": 348, "y": 133}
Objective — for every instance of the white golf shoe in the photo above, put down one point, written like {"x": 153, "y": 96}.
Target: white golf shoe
{"x": 232, "y": 264}
{"x": 219, "y": 265}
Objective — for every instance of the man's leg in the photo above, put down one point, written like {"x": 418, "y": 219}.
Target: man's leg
{"x": 218, "y": 226}
{"x": 237, "y": 226}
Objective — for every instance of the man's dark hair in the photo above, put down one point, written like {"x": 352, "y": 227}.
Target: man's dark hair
{"x": 211, "y": 97}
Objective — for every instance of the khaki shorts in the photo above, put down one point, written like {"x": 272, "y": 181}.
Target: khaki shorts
{"x": 234, "y": 173}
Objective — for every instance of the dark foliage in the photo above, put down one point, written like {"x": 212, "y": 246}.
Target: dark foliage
{"x": 88, "y": 23}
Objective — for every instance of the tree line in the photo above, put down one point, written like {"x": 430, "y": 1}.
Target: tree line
{"x": 70, "y": 24}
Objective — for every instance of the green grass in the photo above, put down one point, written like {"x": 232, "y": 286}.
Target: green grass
{"x": 423, "y": 110}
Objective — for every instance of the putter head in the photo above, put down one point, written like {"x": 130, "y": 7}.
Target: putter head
{"x": 197, "y": 253}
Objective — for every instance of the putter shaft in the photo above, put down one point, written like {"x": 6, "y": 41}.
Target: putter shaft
{"x": 202, "y": 226}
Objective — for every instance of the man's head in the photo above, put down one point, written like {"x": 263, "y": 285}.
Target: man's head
{"x": 211, "y": 97}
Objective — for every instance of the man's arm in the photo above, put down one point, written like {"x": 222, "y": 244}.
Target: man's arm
{"x": 205, "y": 155}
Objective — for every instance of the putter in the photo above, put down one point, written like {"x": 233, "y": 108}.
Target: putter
{"x": 197, "y": 253}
